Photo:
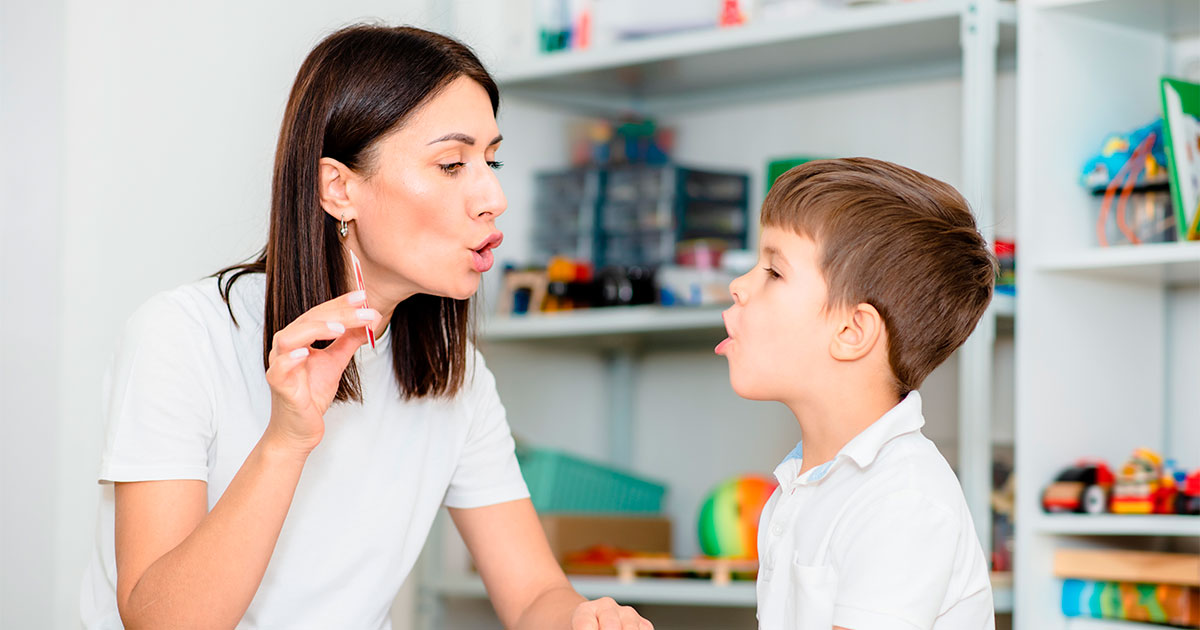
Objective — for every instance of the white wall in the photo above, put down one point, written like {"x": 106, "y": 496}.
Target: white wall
{"x": 31, "y": 197}
{"x": 138, "y": 146}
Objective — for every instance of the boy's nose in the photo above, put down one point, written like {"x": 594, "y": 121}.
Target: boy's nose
{"x": 737, "y": 290}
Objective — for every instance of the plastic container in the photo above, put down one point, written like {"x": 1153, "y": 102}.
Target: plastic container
{"x": 559, "y": 482}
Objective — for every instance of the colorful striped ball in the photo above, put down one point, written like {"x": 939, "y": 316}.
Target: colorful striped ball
{"x": 729, "y": 517}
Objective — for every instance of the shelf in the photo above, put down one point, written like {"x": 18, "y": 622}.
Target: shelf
{"x": 740, "y": 594}
{"x": 1170, "y": 263}
{"x": 624, "y": 322}
{"x": 611, "y": 322}
{"x": 1172, "y": 17}
{"x": 1118, "y": 525}
{"x": 675, "y": 592}
{"x": 824, "y": 49}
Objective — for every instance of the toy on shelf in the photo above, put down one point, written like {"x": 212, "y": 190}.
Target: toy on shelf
{"x": 1145, "y": 484}
{"x": 1187, "y": 501}
{"x": 722, "y": 571}
{"x": 728, "y": 523}
{"x": 1003, "y": 500}
{"x": 1131, "y": 170}
{"x": 1139, "y": 488}
{"x": 1006, "y": 255}
{"x": 1084, "y": 487}
{"x": 1112, "y": 164}
{"x": 1131, "y": 601}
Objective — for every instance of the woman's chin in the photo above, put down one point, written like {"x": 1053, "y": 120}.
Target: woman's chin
{"x": 461, "y": 290}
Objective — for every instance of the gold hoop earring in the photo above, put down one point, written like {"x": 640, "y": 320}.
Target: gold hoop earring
{"x": 343, "y": 229}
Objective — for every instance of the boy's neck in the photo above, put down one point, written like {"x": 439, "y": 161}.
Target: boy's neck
{"x": 828, "y": 423}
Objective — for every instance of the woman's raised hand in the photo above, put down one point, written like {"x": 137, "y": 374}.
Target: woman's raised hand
{"x": 304, "y": 379}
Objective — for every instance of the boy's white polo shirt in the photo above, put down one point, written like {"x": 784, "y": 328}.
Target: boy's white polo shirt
{"x": 885, "y": 526}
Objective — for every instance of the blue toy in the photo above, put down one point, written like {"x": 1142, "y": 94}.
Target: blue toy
{"x": 1117, "y": 150}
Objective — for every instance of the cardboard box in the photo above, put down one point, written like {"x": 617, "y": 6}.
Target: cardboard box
{"x": 569, "y": 533}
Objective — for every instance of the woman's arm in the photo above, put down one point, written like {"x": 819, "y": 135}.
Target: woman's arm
{"x": 180, "y": 567}
{"x": 527, "y": 587}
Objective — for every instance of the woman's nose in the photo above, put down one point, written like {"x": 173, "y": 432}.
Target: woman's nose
{"x": 489, "y": 201}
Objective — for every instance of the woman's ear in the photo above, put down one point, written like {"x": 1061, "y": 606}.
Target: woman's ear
{"x": 858, "y": 333}
{"x": 334, "y": 189}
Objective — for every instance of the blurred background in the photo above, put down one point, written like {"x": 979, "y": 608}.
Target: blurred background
{"x": 640, "y": 141}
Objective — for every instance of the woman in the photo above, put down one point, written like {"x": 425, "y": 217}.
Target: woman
{"x": 268, "y": 469}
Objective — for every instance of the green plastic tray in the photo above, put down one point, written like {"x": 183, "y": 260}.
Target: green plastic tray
{"x": 559, "y": 482}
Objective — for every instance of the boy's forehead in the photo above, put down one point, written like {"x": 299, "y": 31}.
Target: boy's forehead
{"x": 784, "y": 242}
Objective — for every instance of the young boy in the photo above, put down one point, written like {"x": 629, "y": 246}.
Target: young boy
{"x": 870, "y": 275}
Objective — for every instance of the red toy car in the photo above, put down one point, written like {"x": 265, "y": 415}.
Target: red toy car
{"x": 1187, "y": 501}
{"x": 1084, "y": 487}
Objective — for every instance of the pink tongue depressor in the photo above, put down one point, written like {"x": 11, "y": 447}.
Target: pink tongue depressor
{"x": 358, "y": 280}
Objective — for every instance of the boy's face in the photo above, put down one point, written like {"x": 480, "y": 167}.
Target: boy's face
{"x": 779, "y": 332}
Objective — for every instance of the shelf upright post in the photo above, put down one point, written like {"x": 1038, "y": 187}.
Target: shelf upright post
{"x": 621, "y": 368}
{"x": 979, "y": 36}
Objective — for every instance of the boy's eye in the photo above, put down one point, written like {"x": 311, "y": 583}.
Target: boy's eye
{"x": 772, "y": 273}
{"x": 495, "y": 164}
{"x": 451, "y": 168}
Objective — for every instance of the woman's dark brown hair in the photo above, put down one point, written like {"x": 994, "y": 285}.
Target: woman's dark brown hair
{"x": 355, "y": 87}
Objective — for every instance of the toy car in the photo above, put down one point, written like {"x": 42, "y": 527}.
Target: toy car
{"x": 1083, "y": 487}
{"x": 1187, "y": 501}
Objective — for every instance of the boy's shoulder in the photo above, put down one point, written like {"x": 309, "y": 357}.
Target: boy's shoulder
{"x": 910, "y": 465}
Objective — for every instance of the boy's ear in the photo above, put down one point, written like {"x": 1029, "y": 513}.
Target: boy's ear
{"x": 333, "y": 187}
{"x": 857, "y": 334}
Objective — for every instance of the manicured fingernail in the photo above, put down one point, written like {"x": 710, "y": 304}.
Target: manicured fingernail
{"x": 367, "y": 314}
{"x": 358, "y": 297}
{"x": 298, "y": 353}
{"x": 336, "y": 327}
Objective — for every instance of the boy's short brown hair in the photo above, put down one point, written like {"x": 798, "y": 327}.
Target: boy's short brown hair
{"x": 898, "y": 240}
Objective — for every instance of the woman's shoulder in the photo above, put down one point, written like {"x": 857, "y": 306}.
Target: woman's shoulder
{"x": 200, "y": 305}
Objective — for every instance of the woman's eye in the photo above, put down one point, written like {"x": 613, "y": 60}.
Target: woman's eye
{"x": 495, "y": 164}
{"x": 771, "y": 272}
{"x": 451, "y": 168}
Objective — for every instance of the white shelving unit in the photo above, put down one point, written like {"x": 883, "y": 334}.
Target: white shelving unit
{"x": 1096, "y": 343}
{"x": 830, "y": 50}
{"x": 1116, "y": 525}
{"x": 827, "y": 51}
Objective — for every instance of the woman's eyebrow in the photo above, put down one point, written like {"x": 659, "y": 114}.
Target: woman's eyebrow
{"x": 465, "y": 139}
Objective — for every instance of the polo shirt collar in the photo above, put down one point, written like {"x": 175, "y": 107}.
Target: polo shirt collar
{"x": 904, "y": 418}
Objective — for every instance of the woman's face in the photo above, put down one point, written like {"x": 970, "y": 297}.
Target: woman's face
{"x": 425, "y": 209}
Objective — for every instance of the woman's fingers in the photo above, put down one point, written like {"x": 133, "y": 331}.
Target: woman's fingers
{"x": 607, "y": 614}
{"x": 344, "y": 347}
{"x": 610, "y": 618}
{"x": 333, "y": 309}
{"x": 305, "y": 331}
